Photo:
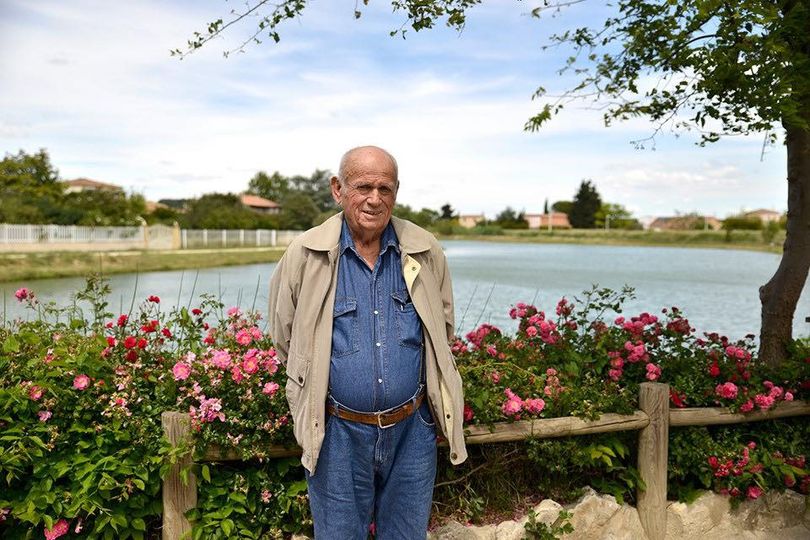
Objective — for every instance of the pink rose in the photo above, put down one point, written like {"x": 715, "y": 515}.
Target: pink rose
{"x": 181, "y": 371}
{"x": 44, "y": 416}
{"x": 653, "y": 372}
{"x": 468, "y": 413}
{"x": 754, "y": 492}
{"x": 243, "y": 337}
{"x": 748, "y": 406}
{"x": 80, "y": 382}
{"x": 22, "y": 294}
{"x": 763, "y": 401}
{"x": 531, "y": 331}
{"x": 726, "y": 390}
{"x": 534, "y": 405}
{"x": 270, "y": 389}
{"x": 788, "y": 396}
{"x": 60, "y": 528}
{"x": 35, "y": 392}
{"x": 250, "y": 365}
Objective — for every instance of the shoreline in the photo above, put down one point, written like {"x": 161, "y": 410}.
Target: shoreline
{"x": 20, "y": 266}
{"x": 680, "y": 239}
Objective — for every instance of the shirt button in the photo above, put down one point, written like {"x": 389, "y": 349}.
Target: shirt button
{"x": 376, "y": 312}
{"x": 379, "y": 381}
{"x": 377, "y": 344}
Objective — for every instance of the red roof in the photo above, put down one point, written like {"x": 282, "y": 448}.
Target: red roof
{"x": 254, "y": 201}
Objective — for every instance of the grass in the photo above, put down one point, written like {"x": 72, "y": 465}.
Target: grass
{"x": 748, "y": 240}
{"x": 23, "y": 266}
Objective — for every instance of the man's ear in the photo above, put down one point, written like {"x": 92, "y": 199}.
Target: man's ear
{"x": 334, "y": 182}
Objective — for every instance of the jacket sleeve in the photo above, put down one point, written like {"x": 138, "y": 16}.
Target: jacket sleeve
{"x": 447, "y": 295}
{"x": 281, "y": 312}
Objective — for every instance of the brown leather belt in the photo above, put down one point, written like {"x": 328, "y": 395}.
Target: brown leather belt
{"x": 384, "y": 419}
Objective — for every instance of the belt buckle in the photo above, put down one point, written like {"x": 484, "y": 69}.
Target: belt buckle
{"x": 380, "y": 425}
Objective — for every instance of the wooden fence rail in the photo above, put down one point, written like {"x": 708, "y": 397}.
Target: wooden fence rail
{"x": 652, "y": 422}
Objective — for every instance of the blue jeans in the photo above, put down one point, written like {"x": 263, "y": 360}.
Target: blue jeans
{"x": 366, "y": 474}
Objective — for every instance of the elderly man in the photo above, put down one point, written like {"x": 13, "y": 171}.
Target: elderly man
{"x": 361, "y": 312}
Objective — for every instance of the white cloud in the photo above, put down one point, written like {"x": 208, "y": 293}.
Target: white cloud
{"x": 93, "y": 83}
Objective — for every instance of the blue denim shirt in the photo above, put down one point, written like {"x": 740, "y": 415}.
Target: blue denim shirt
{"x": 376, "y": 358}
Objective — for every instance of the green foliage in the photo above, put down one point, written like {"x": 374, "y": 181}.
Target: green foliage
{"x": 447, "y": 212}
{"x": 424, "y": 217}
{"x": 509, "y": 219}
{"x": 317, "y": 187}
{"x": 298, "y": 211}
{"x": 742, "y": 223}
{"x": 618, "y": 217}
{"x": 540, "y": 531}
{"x": 563, "y": 206}
{"x": 222, "y": 211}
{"x": 585, "y": 206}
{"x": 274, "y": 187}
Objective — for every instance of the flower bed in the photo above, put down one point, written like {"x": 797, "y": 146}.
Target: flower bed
{"x": 81, "y": 396}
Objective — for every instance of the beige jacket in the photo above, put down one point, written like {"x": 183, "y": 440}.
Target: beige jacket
{"x": 302, "y": 298}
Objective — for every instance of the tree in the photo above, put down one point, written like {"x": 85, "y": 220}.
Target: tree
{"x": 218, "y": 211}
{"x": 545, "y": 207}
{"x": 585, "y": 206}
{"x": 298, "y": 211}
{"x": 563, "y": 206}
{"x": 509, "y": 219}
{"x": 29, "y": 188}
{"x": 274, "y": 187}
{"x": 616, "y": 216}
{"x": 317, "y": 187}
{"x": 447, "y": 212}
{"x": 722, "y": 68}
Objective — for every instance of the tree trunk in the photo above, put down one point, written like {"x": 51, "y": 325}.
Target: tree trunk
{"x": 781, "y": 294}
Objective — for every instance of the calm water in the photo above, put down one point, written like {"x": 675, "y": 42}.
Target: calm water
{"x": 717, "y": 289}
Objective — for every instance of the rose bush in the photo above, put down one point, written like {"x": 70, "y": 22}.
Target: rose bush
{"x": 82, "y": 452}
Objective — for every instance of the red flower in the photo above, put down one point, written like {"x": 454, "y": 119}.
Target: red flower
{"x": 677, "y": 399}
{"x": 122, "y": 320}
{"x": 131, "y": 355}
{"x": 111, "y": 341}
{"x": 714, "y": 370}
{"x": 154, "y": 299}
{"x": 196, "y": 311}
{"x": 468, "y": 413}
{"x": 142, "y": 343}
{"x": 130, "y": 342}
{"x": 166, "y": 332}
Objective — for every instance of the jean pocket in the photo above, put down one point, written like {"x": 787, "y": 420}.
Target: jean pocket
{"x": 424, "y": 416}
{"x": 409, "y": 326}
{"x": 345, "y": 333}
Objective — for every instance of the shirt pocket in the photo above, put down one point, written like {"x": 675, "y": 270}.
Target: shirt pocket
{"x": 409, "y": 327}
{"x": 345, "y": 331}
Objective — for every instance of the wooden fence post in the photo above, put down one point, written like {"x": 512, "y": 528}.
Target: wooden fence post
{"x": 653, "y": 451}
{"x": 177, "y": 497}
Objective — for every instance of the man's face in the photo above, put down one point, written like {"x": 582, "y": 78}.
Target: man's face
{"x": 368, "y": 193}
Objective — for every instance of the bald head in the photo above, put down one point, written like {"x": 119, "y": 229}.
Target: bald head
{"x": 354, "y": 159}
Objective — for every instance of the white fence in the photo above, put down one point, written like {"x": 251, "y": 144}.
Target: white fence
{"x": 62, "y": 234}
{"x": 229, "y": 238}
{"x": 77, "y": 238}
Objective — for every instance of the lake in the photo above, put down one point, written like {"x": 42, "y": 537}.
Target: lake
{"x": 716, "y": 289}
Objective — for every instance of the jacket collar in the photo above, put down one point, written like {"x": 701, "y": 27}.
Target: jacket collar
{"x": 326, "y": 237}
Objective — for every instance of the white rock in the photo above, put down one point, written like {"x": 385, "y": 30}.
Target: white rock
{"x": 591, "y": 514}
{"x": 547, "y": 511}
{"x": 772, "y": 512}
{"x": 695, "y": 519}
{"x": 456, "y": 531}
{"x": 624, "y": 525}
{"x": 511, "y": 530}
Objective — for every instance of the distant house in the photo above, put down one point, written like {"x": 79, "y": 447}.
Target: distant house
{"x": 685, "y": 223}
{"x": 85, "y": 184}
{"x": 470, "y": 220}
{"x": 559, "y": 220}
{"x": 766, "y": 216}
{"x": 260, "y": 204}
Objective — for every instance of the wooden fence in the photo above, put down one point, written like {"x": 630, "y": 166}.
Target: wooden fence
{"x": 652, "y": 421}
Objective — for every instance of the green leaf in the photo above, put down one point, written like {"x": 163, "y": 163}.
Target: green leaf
{"x": 138, "y": 524}
{"x": 11, "y": 345}
{"x": 296, "y": 488}
{"x": 206, "y": 473}
{"x": 227, "y": 526}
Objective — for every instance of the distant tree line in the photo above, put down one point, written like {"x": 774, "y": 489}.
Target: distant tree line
{"x": 32, "y": 192}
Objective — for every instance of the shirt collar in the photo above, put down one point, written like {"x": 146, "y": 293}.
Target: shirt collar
{"x": 387, "y": 240}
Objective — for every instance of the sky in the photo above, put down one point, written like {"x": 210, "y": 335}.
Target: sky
{"x": 93, "y": 83}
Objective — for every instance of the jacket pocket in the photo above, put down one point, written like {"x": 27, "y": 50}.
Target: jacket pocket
{"x": 345, "y": 328}
{"x": 297, "y": 373}
{"x": 409, "y": 326}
